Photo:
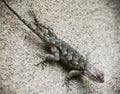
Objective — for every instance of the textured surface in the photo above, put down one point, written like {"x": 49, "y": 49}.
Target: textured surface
{"x": 91, "y": 27}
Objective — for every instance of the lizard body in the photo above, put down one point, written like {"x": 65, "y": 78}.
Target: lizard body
{"x": 60, "y": 50}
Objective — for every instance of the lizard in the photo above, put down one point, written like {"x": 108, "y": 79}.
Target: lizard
{"x": 62, "y": 51}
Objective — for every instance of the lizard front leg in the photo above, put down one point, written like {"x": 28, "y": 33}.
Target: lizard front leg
{"x": 54, "y": 56}
{"x": 71, "y": 74}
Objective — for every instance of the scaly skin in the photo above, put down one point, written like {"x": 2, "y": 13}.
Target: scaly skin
{"x": 60, "y": 50}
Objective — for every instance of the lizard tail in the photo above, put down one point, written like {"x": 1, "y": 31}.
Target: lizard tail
{"x": 30, "y": 25}
{"x": 14, "y": 12}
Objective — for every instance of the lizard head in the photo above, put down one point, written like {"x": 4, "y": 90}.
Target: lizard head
{"x": 93, "y": 73}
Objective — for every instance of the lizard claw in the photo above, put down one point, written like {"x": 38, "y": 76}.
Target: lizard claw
{"x": 67, "y": 84}
{"x": 43, "y": 65}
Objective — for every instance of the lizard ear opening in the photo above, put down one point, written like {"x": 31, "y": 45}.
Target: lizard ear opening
{"x": 94, "y": 74}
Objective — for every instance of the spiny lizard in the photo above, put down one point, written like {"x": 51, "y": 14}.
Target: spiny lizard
{"x": 62, "y": 51}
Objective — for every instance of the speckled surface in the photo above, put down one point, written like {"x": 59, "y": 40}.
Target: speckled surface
{"x": 90, "y": 26}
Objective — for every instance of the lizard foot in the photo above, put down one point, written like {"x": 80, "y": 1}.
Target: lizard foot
{"x": 67, "y": 84}
{"x": 43, "y": 65}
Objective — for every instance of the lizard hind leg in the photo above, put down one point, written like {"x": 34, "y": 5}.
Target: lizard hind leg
{"x": 41, "y": 25}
